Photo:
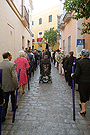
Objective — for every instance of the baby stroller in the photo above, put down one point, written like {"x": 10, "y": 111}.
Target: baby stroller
{"x": 45, "y": 71}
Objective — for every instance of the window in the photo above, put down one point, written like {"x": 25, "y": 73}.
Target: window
{"x": 69, "y": 44}
{"x": 23, "y": 41}
{"x": 28, "y": 43}
{"x": 64, "y": 45}
{"x": 33, "y": 35}
{"x": 40, "y": 21}
{"x": 50, "y": 18}
{"x": 40, "y": 34}
{"x": 32, "y": 22}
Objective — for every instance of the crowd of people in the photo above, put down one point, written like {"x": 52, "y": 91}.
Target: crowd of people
{"x": 28, "y": 62}
{"x": 81, "y": 75}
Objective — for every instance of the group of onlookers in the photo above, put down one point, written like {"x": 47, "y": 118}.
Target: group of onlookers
{"x": 81, "y": 75}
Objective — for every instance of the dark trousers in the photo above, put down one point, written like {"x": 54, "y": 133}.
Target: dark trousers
{"x": 36, "y": 63}
{"x": 66, "y": 76}
{"x": 6, "y": 97}
{"x": 54, "y": 61}
{"x": 51, "y": 59}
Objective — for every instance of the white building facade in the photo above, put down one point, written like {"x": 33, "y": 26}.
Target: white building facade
{"x": 15, "y": 26}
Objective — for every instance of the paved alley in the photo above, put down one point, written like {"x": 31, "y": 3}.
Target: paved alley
{"x": 46, "y": 109}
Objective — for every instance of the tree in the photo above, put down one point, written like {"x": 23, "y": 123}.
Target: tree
{"x": 82, "y": 9}
{"x": 51, "y": 36}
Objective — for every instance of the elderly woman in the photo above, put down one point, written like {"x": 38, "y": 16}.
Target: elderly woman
{"x": 22, "y": 62}
{"x": 82, "y": 73}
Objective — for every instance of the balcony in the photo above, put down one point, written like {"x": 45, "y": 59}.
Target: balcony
{"x": 33, "y": 40}
{"x": 39, "y": 39}
{"x": 67, "y": 16}
{"x": 25, "y": 16}
{"x": 62, "y": 25}
{"x": 58, "y": 16}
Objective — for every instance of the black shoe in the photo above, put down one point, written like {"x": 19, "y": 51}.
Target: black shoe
{"x": 16, "y": 106}
{"x": 3, "y": 119}
{"x": 83, "y": 113}
{"x": 69, "y": 84}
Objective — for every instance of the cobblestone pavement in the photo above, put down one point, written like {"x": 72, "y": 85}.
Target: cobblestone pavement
{"x": 46, "y": 109}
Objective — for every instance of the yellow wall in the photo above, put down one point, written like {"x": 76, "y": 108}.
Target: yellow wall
{"x": 46, "y": 25}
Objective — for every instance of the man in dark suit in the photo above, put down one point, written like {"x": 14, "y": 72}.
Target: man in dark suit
{"x": 47, "y": 52}
{"x": 31, "y": 62}
{"x": 68, "y": 67}
{"x": 9, "y": 82}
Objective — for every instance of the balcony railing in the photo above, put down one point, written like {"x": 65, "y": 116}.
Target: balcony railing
{"x": 25, "y": 16}
{"x": 39, "y": 39}
{"x": 33, "y": 40}
{"x": 67, "y": 16}
{"x": 58, "y": 16}
{"x": 61, "y": 23}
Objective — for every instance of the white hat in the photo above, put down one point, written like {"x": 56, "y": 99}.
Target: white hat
{"x": 62, "y": 51}
{"x": 21, "y": 53}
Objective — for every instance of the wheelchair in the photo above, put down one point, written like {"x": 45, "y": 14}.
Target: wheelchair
{"x": 45, "y": 71}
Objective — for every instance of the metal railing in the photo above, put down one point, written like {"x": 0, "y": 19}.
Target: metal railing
{"x": 64, "y": 12}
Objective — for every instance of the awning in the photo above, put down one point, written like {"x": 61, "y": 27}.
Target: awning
{"x": 32, "y": 40}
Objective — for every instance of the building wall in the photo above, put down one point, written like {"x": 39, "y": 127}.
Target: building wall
{"x": 18, "y": 4}
{"x": 11, "y": 31}
{"x": 69, "y": 30}
{"x": 46, "y": 25}
{"x": 87, "y": 37}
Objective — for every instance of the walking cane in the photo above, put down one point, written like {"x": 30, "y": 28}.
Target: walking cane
{"x": 73, "y": 93}
{"x": 0, "y": 106}
{"x": 16, "y": 99}
{"x": 28, "y": 80}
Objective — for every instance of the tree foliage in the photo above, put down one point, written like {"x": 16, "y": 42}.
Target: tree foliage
{"x": 82, "y": 9}
{"x": 51, "y": 36}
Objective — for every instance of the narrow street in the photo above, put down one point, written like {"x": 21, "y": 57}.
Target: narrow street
{"x": 46, "y": 109}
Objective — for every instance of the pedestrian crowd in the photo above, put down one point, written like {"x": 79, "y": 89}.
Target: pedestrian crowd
{"x": 81, "y": 75}
{"x": 28, "y": 61}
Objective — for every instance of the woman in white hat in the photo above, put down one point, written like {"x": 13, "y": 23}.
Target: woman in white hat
{"x": 22, "y": 62}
